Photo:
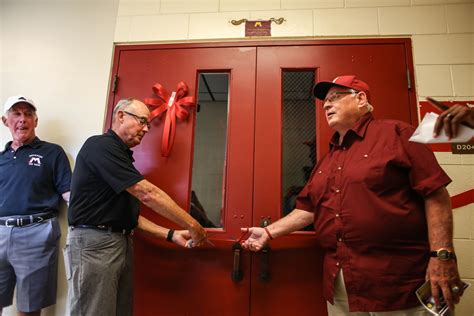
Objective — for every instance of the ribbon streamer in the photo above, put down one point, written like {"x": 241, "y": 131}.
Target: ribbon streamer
{"x": 173, "y": 105}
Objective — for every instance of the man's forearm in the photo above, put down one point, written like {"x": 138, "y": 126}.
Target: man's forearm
{"x": 295, "y": 220}
{"x": 151, "y": 229}
{"x": 439, "y": 218}
{"x": 66, "y": 196}
{"x": 157, "y": 200}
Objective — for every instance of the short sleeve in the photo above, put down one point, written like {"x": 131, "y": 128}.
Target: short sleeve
{"x": 62, "y": 172}
{"x": 113, "y": 164}
{"x": 312, "y": 193}
{"x": 426, "y": 175}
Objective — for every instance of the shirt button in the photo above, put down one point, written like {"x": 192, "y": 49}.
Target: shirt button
{"x": 337, "y": 214}
{"x": 340, "y": 239}
{"x": 337, "y": 190}
{"x": 337, "y": 264}
{"x": 333, "y": 275}
{"x": 320, "y": 171}
{"x": 339, "y": 168}
{"x": 365, "y": 156}
{"x": 14, "y": 157}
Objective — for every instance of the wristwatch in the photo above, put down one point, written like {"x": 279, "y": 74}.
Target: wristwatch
{"x": 443, "y": 254}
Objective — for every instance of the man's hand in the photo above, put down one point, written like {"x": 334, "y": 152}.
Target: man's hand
{"x": 181, "y": 237}
{"x": 198, "y": 236}
{"x": 257, "y": 240}
{"x": 444, "y": 276}
{"x": 450, "y": 119}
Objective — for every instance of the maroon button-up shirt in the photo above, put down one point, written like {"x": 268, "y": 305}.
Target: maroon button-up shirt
{"x": 368, "y": 198}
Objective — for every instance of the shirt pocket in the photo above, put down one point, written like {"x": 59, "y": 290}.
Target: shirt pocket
{"x": 318, "y": 185}
{"x": 367, "y": 169}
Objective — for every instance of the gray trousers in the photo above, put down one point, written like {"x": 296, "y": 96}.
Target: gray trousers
{"x": 99, "y": 272}
{"x": 29, "y": 260}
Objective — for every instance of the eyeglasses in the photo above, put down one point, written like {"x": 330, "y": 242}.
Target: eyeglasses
{"x": 143, "y": 121}
{"x": 336, "y": 95}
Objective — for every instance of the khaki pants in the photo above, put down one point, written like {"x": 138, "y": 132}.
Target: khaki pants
{"x": 341, "y": 306}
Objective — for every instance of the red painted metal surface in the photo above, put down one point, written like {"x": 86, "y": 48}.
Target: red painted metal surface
{"x": 172, "y": 281}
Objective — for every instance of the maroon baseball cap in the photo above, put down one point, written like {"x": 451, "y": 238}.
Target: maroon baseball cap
{"x": 347, "y": 81}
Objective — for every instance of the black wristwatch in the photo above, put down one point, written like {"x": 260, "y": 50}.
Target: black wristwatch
{"x": 443, "y": 254}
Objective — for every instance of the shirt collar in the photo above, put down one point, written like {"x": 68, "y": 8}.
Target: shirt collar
{"x": 114, "y": 135}
{"x": 359, "y": 129}
{"x": 34, "y": 144}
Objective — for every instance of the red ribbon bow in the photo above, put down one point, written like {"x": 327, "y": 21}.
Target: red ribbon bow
{"x": 173, "y": 105}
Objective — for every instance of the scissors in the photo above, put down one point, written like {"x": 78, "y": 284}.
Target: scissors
{"x": 207, "y": 241}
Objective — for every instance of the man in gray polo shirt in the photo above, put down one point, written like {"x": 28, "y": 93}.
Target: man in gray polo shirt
{"x": 34, "y": 176}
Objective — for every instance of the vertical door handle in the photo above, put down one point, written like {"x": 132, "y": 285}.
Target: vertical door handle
{"x": 264, "y": 274}
{"x": 236, "y": 274}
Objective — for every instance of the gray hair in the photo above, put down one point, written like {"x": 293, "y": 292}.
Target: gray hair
{"x": 122, "y": 104}
{"x": 369, "y": 106}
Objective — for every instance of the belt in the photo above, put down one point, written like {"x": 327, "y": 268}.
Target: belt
{"x": 105, "y": 228}
{"x": 20, "y": 221}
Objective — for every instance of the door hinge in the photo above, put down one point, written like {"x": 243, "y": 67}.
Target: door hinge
{"x": 408, "y": 79}
{"x": 115, "y": 83}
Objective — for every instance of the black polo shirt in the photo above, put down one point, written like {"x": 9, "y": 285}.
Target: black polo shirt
{"x": 104, "y": 170}
{"x": 32, "y": 178}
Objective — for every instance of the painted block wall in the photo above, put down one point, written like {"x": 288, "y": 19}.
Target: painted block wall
{"x": 59, "y": 53}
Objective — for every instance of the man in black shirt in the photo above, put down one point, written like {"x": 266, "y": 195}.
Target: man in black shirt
{"x": 106, "y": 192}
{"x": 34, "y": 177}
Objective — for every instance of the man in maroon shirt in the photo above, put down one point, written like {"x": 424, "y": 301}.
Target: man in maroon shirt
{"x": 380, "y": 210}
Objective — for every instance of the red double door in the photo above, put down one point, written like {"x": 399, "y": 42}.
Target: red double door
{"x": 286, "y": 280}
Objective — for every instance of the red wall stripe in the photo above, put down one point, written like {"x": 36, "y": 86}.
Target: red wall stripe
{"x": 462, "y": 199}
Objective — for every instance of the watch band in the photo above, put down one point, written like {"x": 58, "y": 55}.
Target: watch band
{"x": 443, "y": 254}
{"x": 169, "y": 237}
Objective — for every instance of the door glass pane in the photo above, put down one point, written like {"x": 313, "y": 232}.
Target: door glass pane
{"x": 210, "y": 134}
{"x": 299, "y": 134}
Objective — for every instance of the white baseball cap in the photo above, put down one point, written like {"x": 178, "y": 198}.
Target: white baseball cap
{"x": 11, "y": 101}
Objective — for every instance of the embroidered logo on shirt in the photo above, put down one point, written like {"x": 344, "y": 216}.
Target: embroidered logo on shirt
{"x": 35, "y": 160}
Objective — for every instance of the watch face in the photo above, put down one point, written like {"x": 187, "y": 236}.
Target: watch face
{"x": 443, "y": 254}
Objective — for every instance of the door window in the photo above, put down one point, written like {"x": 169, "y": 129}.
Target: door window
{"x": 299, "y": 134}
{"x": 208, "y": 185}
